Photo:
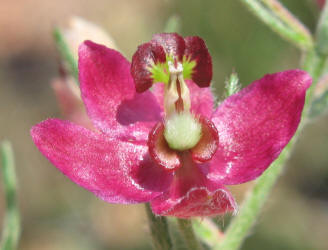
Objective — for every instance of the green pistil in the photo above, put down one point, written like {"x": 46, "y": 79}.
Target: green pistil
{"x": 182, "y": 131}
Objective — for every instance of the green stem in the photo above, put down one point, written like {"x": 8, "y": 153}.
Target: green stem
{"x": 187, "y": 232}
{"x": 207, "y": 231}
{"x": 287, "y": 17}
{"x": 285, "y": 27}
{"x": 66, "y": 53}
{"x": 11, "y": 227}
{"x": 159, "y": 231}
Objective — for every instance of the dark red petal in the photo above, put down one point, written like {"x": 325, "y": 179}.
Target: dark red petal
{"x": 255, "y": 125}
{"x": 172, "y": 43}
{"x": 160, "y": 151}
{"x": 197, "y": 51}
{"x": 142, "y": 61}
{"x": 208, "y": 144}
{"x": 192, "y": 194}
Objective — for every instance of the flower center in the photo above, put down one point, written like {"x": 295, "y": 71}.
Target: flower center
{"x": 182, "y": 129}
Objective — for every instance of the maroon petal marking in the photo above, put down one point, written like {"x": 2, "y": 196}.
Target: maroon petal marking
{"x": 197, "y": 51}
{"x": 142, "y": 61}
{"x": 173, "y": 44}
{"x": 160, "y": 151}
{"x": 208, "y": 144}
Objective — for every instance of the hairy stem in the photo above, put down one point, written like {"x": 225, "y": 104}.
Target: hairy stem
{"x": 281, "y": 21}
{"x": 11, "y": 227}
{"x": 287, "y": 17}
{"x": 188, "y": 234}
{"x": 159, "y": 230}
{"x": 207, "y": 231}
{"x": 322, "y": 31}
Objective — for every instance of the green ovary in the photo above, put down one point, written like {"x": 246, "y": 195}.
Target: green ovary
{"x": 182, "y": 131}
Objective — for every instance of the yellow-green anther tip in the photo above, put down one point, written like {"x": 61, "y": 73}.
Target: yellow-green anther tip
{"x": 182, "y": 131}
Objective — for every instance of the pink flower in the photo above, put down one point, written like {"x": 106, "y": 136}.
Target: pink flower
{"x": 132, "y": 157}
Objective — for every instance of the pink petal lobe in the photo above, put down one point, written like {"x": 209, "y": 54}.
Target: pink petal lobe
{"x": 202, "y": 100}
{"x": 255, "y": 124}
{"x": 109, "y": 94}
{"x": 192, "y": 194}
{"x": 197, "y": 51}
{"x": 97, "y": 164}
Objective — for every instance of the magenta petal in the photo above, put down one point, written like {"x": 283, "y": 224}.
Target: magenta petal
{"x": 109, "y": 94}
{"x": 197, "y": 51}
{"x": 255, "y": 124}
{"x": 192, "y": 194}
{"x": 202, "y": 100}
{"x": 99, "y": 165}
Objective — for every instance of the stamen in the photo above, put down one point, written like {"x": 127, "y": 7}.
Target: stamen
{"x": 176, "y": 97}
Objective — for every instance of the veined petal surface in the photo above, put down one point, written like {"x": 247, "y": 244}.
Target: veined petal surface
{"x": 99, "y": 165}
{"x": 255, "y": 124}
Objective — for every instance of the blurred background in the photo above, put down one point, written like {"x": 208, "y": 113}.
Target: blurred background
{"x": 59, "y": 215}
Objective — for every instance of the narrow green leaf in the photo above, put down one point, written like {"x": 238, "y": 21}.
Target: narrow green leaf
{"x": 322, "y": 31}
{"x": 66, "y": 53}
{"x": 232, "y": 85}
{"x": 299, "y": 37}
{"x": 207, "y": 232}
{"x": 288, "y": 18}
{"x": 11, "y": 227}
